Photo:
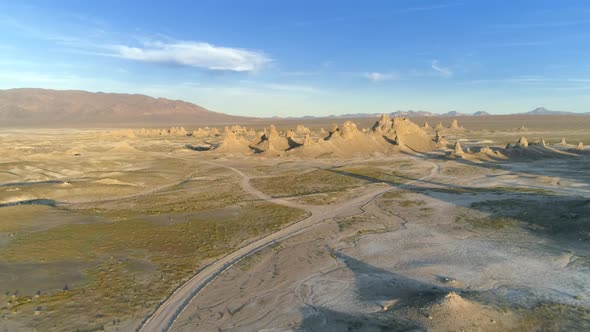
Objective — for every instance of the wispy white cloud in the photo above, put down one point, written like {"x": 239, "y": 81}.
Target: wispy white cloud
{"x": 194, "y": 54}
{"x": 555, "y": 83}
{"x": 444, "y": 71}
{"x": 300, "y": 73}
{"x": 379, "y": 77}
{"x": 303, "y": 89}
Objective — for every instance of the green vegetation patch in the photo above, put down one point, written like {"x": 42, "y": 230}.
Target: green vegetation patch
{"x": 315, "y": 182}
{"x": 394, "y": 194}
{"x": 179, "y": 199}
{"x": 133, "y": 263}
{"x": 558, "y": 216}
{"x": 377, "y": 174}
{"x": 490, "y": 190}
{"x": 408, "y": 203}
{"x": 464, "y": 170}
{"x": 555, "y": 317}
{"x": 351, "y": 221}
{"x": 495, "y": 223}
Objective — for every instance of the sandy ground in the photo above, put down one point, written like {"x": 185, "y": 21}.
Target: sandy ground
{"x": 394, "y": 267}
{"x": 400, "y": 241}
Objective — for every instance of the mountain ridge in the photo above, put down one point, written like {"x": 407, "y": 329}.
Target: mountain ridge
{"x": 35, "y": 106}
{"x": 411, "y": 113}
{"x": 32, "y": 106}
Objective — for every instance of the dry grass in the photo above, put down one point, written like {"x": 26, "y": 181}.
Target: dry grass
{"x": 320, "y": 181}
{"x": 187, "y": 197}
{"x": 134, "y": 263}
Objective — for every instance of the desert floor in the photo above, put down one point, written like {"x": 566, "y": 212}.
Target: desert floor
{"x": 98, "y": 230}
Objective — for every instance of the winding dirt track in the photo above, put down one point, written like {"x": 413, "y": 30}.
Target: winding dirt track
{"x": 163, "y": 318}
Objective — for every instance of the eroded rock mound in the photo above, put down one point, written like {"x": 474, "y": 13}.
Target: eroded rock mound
{"x": 388, "y": 135}
{"x": 301, "y": 129}
{"x": 350, "y": 131}
{"x": 458, "y": 150}
{"x": 200, "y": 132}
{"x": 440, "y": 140}
{"x": 523, "y": 149}
{"x": 123, "y": 147}
{"x": 455, "y": 313}
{"x": 232, "y": 143}
{"x": 272, "y": 142}
{"x": 455, "y": 125}
{"x": 522, "y": 142}
{"x": 404, "y": 132}
{"x": 237, "y": 129}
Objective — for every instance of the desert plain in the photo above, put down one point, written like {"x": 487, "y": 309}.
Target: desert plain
{"x": 372, "y": 224}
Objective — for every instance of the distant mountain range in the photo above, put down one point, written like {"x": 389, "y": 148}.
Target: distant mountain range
{"x": 536, "y": 111}
{"x": 28, "y": 107}
{"x": 544, "y": 111}
{"x": 41, "y": 107}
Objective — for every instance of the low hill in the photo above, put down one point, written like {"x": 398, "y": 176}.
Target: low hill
{"x": 544, "y": 111}
{"x": 29, "y": 107}
{"x": 455, "y": 113}
{"x": 412, "y": 113}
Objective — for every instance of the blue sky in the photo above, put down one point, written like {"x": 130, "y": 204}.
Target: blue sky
{"x": 293, "y": 58}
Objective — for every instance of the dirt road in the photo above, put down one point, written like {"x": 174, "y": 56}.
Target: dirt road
{"x": 163, "y": 318}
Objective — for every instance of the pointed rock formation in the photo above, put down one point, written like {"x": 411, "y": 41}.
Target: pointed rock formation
{"x": 333, "y": 132}
{"x": 457, "y": 150}
{"x": 350, "y": 130}
{"x": 238, "y": 129}
{"x": 426, "y": 125}
{"x": 384, "y": 124}
{"x": 200, "y": 133}
{"x": 260, "y": 136}
{"x": 522, "y": 142}
{"x": 273, "y": 141}
{"x": 580, "y": 146}
{"x": 232, "y": 143}
{"x": 404, "y": 132}
{"x": 439, "y": 140}
{"x": 291, "y": 141}
{"x": 455, "y": 125}
{"x": 307, "y": 140}
{"x": 301, "y": 129}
